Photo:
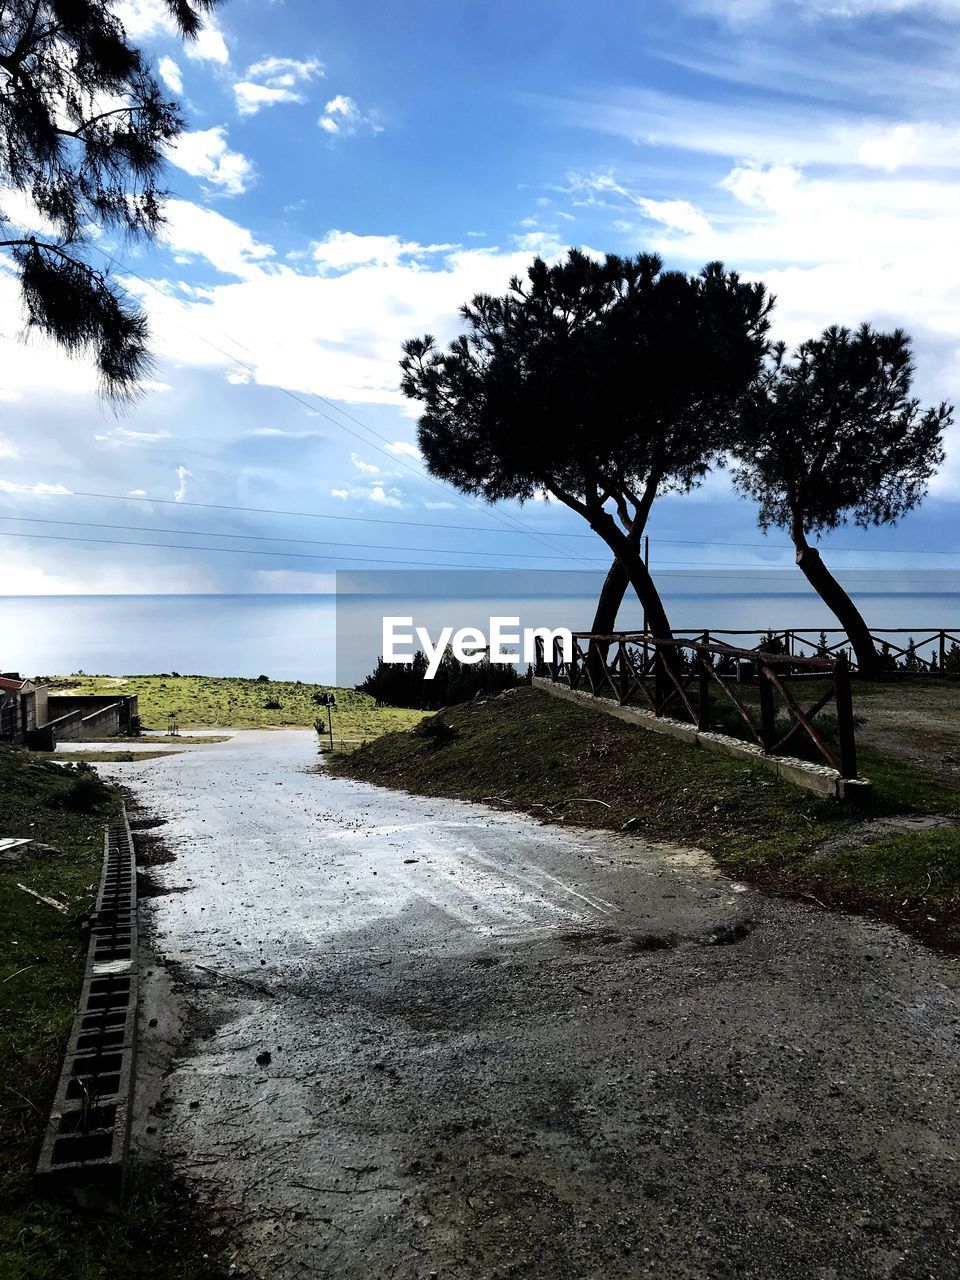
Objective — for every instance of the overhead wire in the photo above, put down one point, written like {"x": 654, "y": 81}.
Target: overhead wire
{"x": 396, "y": 459}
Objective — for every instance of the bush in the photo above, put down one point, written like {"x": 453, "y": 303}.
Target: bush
{"x": 436, "y": 730}
{"x": 263, "y": 679}
{"x": 406, "y": 684}
{"x": 86, "y": 792}
{"x": 273, "y": 704}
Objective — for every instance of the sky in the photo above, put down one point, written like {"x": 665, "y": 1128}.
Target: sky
{"x": 350, "y": 175}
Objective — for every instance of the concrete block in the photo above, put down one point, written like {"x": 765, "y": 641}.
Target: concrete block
{"x": 823, "y": 782}
{"x": 854, "y": 788}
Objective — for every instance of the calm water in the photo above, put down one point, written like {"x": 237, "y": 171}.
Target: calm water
{"x": 295, "y": 637}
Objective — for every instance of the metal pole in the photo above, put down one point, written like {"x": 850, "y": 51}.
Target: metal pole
{"x": 330, "y": 724}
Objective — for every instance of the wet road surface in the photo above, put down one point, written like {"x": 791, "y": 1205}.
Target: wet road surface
{"x": 427, "y": 1039}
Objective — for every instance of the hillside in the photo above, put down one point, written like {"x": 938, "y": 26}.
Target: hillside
{"x": 234, "y": 702}
{"x": 565, "y": 763}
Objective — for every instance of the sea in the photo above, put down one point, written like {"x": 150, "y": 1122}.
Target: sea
{"x": 336, "y": 638}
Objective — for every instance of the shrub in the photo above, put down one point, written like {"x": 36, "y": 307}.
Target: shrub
{"x": 86, "y": 792}
{"x": 436, "y": 730}
{"x": 273, "y": 704}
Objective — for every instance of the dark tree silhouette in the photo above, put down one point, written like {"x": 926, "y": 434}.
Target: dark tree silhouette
{"x": 83, "y": 129}
{"x": 601, "y": 383}
{"x": 833, "y": 436}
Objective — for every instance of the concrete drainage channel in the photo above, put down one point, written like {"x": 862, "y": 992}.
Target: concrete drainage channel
{"x": 84, "y": 1153}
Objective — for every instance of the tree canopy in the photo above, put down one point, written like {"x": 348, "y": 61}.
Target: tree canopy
{"x": 833, "y": 436}
{"x": 84, "y": 125}
{"x": 601, "y": 383}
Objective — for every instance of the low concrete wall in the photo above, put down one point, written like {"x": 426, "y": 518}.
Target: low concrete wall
{"x": 812, "y": 777}
{"x": 104, "y": 715}
{"x": 67, "y": 728}
{"x": 104, "y": 722}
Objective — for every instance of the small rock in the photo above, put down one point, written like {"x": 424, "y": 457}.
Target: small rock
{"x": 264, "y": 1059}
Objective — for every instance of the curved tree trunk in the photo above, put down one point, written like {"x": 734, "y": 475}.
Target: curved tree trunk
{"x": 605, "y": 618}
{"x": 628, "y": 554}
{"x": 839, "y": 603}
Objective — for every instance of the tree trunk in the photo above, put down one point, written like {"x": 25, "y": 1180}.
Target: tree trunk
{"x": 627, "y": 551}
{"x": 605, "y": 619}
{"x": 839, "y": 603}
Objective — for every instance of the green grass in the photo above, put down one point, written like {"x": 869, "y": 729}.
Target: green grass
{"x": 197, "y": 702}
{"x": 106, "y": 756}
{"x": 556, "y": 760}
{"x": 41, "y": 966}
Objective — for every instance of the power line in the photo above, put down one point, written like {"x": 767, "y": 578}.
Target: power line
{"x": 256, "y": 537}
{"x": 394, "y": 458}
{"x": 473, "y": 528}
{"x": 754, "y": 573}
{"x": 245, "y": 551}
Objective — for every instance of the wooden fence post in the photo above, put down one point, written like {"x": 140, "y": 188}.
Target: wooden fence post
{"x": 624, "y": 672}
{"x": 703, "y": 689}
{"x": 845, "y": 729}
{"x": 943, "y": 650}
{"x": 659, "y": 681}
{"x": 768, "y": 711}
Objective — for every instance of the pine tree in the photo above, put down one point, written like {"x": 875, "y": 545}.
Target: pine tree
{"x": 84, "y": 125}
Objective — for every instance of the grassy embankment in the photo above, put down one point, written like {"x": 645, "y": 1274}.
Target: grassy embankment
{"x": 557, "y": 760}
{"x": 41, "y": 965}
{"x": 196, "y": 702}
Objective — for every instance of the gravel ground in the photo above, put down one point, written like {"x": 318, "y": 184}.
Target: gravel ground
{"x": 425, "y": 1039}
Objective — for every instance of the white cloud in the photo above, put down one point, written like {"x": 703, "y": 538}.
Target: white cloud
{"x": 8, "y": 486}
{"x": 677, "y": 215}
{"x": 404, "y": 449}
{"x": 170, "y": 74}
{"x": 440, "y": 506}
{"x": 334, "y": 333}
{"x": 124, "y": 438}
{"x": 340, "y": 493}
{"x": 342, "y": 117}
{"x": 251, "y": 97}
{"x": 367, "y": 467}
{"x": 145, "y": 19}
{"x": 209, "y": 46}
{"x": 204, "y": 154}
{"x": 339, "y": 249}
{"x": 277, "y": 433}
{"x": 137, "y": 493}
{"x": 193, "y": 231}
{"x": 272, "y": 81}
{"x": 23, "y": 572}
{"x": 761, "y": 130}
{"x": 746, "y": 11}
{"x": 183, "y": 475}
{"x": 384, "y": 497}
{"x": 8, "y": 449}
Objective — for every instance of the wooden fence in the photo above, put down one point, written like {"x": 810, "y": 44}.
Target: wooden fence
{"x": 930, "y": 644}
{"x": 677, "y": 677}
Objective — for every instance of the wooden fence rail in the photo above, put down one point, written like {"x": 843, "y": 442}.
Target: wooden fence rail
{"x": 677, "y": 677}
{"x": 930, "y": 644}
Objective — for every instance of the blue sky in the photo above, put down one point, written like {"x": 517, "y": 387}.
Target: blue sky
{"x": 351, "y": 175}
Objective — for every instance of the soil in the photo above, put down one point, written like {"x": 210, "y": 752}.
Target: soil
{"x": 915, "y": 721}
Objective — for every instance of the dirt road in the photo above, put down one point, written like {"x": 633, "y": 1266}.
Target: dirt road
{"x": 426, "y": 1039}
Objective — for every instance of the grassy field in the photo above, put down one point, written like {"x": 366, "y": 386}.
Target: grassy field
{"x": 565, "y": 763}
{"x": 41, "y": 964}
{"x": 200, "y": 702}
